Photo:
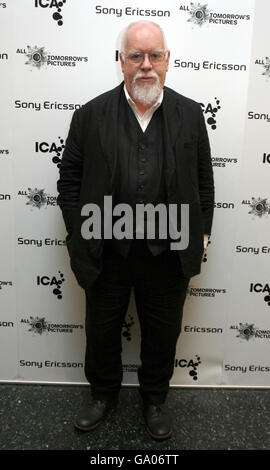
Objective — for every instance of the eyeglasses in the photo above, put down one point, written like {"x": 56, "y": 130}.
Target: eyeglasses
{"x": 155, "y": 57}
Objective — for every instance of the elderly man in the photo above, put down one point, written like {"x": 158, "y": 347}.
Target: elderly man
{"x": 140, "y": 143}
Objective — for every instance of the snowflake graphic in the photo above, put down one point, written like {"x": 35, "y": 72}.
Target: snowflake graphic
{"x": 267, "y": 67}
{"x": 199, "y": 14}
{"x": 259, "y": 207}
{"x": 246, "y": 331}
{"x": 36, "y": 56}
{"x": 38, "y": 325}
{"x": 37, "y": 197}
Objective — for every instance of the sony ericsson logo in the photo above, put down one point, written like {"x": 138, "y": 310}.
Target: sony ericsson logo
{"x": 130, "y": 11}
{"x": 255, "y": 250}
{"x": 37, "y": 198}
{"x": 54, "y": 282}
{"x": 5, "y": 197}
{"x": 6, "y": 324}
{"x": 224, "y": 205}
{"x": 208, "y": 65}
{"x": 38, "y": 57}
{"x": 247, "y": 331}
{"x": 259, "y": 116}
{"x": 51, "y": 364}
{"x": 244, "y": 369}
{"x": 53, "y": 149}
{"x": 202, "y": 329}
{"x": 51, "y": 242}
{"x": 259, "y": 207}
{"x": 56, "y": 15}
{"x": 189, "y": 364}
{"x": 212, "y": 110}
{"x": 199, "y": 14}
{"x": 40, "y": 326}
{"x": 265, "y": 66}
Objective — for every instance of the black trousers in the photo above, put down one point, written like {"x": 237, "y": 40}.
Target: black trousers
{"x": 159, "y": 290}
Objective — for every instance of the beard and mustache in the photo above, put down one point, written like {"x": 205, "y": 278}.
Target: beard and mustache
{"x": 146, "y": 94}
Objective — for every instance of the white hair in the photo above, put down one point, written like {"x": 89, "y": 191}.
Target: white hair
{"x": 135, "y": 23}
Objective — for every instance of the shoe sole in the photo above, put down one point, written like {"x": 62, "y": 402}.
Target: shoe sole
{"x": 91, "y": 428}
{"x": 158, "y": 437}
{"x": 98, "y": 423}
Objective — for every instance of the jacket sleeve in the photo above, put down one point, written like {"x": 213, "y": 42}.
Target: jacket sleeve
{"x": 205, "y": 175}
{"x": 69, "y": 183}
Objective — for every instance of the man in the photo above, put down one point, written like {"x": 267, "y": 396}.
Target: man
{"x": 139, "y": 143}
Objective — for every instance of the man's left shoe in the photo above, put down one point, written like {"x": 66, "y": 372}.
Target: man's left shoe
{"x": 158, "y": 422}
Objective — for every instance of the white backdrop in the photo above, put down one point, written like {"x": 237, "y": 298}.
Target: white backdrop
{"x": 54, "y": 57}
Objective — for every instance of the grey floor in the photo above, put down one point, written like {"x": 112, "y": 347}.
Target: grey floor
{"x": 40, "y": 417}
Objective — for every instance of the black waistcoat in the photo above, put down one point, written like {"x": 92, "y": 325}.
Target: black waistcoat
{"x": 140, "y": 175}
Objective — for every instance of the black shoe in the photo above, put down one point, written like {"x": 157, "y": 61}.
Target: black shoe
{"x": 158, "y": 422}
{"x": 90, "y": 417}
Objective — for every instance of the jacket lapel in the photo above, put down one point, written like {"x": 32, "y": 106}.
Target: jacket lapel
{"x": 173, "y": 124}
{"x": 108, "y": 130}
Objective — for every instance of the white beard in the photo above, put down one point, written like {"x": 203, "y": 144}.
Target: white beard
{"x": 146, "y": 94}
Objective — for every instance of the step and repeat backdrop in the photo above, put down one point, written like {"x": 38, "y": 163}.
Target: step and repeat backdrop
{"x": 54, "y": 57}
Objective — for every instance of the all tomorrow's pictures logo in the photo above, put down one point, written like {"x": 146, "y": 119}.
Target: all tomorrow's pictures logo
{"x": 248, "y": 331}
{"x": 265, "y": 66}
{"x": 259, "y": 207}
{"x": 38, "y": 57}
{"x": 40, "y": 326}
{"x": 209, "y": 292}
{"x": 200, "y": 14}
{"x": 38, "y": 198}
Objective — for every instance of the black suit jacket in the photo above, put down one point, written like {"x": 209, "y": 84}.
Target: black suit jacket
{"x": 88, "y": 172}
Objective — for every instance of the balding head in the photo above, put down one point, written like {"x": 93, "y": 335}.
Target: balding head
{"x": 140, "y": 28}
{"x": 144, "y": 61}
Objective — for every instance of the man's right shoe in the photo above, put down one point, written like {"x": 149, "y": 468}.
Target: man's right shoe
{"x": 91, "y": 417}
{"x": 158, "y": 421}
